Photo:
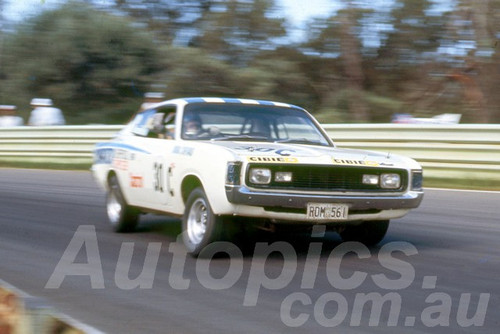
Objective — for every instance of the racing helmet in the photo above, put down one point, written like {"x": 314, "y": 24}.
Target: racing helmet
{"x": 192, "y": 124}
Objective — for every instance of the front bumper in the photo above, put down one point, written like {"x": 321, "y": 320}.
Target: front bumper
{"x": 362, "y": 202}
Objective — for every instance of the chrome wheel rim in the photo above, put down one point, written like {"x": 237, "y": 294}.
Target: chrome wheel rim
{"x": 197, "y": 221}
{"x": 114, "y": 209}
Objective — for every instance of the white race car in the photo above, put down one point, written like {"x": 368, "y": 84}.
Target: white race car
{"x": 215, "y": 161}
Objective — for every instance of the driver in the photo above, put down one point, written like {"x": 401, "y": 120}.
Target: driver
{"x": 193, "y": 126}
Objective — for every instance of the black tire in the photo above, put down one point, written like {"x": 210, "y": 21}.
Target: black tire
{"x": 369, "y": 233}
{"x": 121, "y": 216}
{"x": 200, "y": 226}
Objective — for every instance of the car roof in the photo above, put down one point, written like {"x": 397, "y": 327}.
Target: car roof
{"x": 191, "y": 100}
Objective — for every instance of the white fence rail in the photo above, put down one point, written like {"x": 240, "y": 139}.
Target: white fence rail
{"x": 445, "y": 151}
{"x": 53, "y": 144}
{"x": 463, "y": 151}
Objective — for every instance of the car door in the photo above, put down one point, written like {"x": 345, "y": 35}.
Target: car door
{"x": 149, "y": 172}
{"x": 161, "y": 162}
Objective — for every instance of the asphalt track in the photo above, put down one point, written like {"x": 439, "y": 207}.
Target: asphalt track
{"x": 437, "y": 271}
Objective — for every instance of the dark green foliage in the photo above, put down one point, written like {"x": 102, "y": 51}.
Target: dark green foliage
{"x": 79, "y": 57}
{"x": 362, "y": 63}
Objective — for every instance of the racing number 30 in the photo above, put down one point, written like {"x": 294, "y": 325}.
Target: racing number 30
{"x": 158, "y": 177}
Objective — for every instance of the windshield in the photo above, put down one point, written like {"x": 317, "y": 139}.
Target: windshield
{"x": 244, "y": 122}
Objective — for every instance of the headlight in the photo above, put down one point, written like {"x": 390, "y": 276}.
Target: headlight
{"x": 370, "y": 179}
{"x": 390, "y": 181}
{"x": 260, "y": 175}
{"x": 283, "y": 177}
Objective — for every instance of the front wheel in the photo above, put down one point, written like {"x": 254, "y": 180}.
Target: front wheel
{"x": 121, "y": 216}
{"x": 200, "y": 226}
{"x": 369, "y": 233}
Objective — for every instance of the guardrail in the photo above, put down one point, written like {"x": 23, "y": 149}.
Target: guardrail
{"x": 462, "y": 151}
{"x": 53, "y": 144}
{"x": 465, "y": 152}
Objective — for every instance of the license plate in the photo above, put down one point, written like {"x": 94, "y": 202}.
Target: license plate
{"x": 327, "y": 211}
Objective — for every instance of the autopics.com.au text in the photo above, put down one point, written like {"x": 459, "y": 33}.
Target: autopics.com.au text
{"x": 298, "y": 307}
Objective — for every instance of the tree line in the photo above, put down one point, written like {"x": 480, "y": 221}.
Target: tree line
{"x": 364, "y": 63}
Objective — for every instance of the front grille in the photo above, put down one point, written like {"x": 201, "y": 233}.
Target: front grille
{"x": 327, "y": 177}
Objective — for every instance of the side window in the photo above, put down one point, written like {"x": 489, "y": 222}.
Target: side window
{"x": 142, "y": 123}
{"x": 155, "y": 123}
{"x": 168, "y": 122}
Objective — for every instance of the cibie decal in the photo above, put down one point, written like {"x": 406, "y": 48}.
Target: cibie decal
{"x": 273, "y": 159}
{"x": 354, "y": 162}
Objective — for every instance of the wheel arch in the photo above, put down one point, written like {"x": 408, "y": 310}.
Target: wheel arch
{"x": 111, "y": 173}
{"x": 189, "y": 183}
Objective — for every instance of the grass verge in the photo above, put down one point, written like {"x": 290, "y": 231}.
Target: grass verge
{"x": 465, "y": 184}
{"x": 45, "y": 165}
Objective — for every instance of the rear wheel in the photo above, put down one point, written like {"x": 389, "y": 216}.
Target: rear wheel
{"x": 121, "y": 216}
{"x": 200, "y": 226}
{"x": 369, "y": 233}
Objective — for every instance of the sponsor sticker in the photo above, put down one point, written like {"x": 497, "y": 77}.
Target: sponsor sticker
{"x": 120, "y": 164}
{"x": 281, "y": 151}
{"x": 273, "y": 159}
{"x": 183, "y": 150}
{"x": 352, "y": 162}
{"x": 136, "y": 181}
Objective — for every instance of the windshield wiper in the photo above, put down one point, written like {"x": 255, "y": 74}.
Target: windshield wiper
{"x": 298, "y": 141}
{"x": 241, "y": 137}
